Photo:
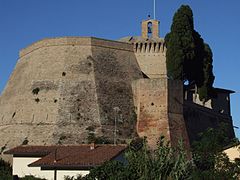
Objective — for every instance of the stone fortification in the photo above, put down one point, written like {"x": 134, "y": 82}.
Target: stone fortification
{"x": 160, "y": 111}
{"x": 149, "y": 49}
{"x": 74, "y": 90}
{"x": 63, "y": 89}
{"x": 150, "y": 54}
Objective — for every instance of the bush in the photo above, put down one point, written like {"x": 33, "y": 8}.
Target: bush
{"x": 5, "y": 170}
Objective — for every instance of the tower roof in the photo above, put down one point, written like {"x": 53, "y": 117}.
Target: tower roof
{"x": 150, "y": 33}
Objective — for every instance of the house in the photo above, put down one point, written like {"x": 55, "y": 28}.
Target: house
{"x": 233, "y": 152}
{"x": 55, "y": 162}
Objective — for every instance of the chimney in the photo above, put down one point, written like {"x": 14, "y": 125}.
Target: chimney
{"x": 55, "y": 155}
{"x": 92, "y": 146}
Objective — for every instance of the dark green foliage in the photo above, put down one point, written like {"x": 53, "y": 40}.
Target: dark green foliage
{"x": 210, "y": 162}
{"x": 25, "y": 141}
{"x": 3, "y": 148}
{"x": 180, "y": 44}
{"x": 110, "y": 170}
{"x": 205, "y": 89}
{"x": 79, "y": 177}
{"x": 5, "y": 170}
{"x": 35, "y": 91}
{"x": 188, "y": 57}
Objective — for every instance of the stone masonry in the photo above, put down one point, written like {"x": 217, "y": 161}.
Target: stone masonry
{"x": 63, "y": 88}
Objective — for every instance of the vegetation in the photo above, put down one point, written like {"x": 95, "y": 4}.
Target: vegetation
{"x": 36, "y": 91}
{"x": 30, "y": 177}
{"x": 5, "y": 170}
{"x": 188, "y": 57}
{"x": 25, "y": 141}
{"x": 208, "y": 161}
{"x": 97, "y": 140}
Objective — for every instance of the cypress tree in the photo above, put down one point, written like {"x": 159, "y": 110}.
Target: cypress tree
{"x": 206, "y": 89}
{"x": 187, "y": 56}
{"x": 180, "y": 44}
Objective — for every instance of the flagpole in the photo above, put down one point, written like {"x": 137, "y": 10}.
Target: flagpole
{"x": 154, "y": 9}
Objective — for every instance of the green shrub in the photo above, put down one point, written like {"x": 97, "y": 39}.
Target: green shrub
{"x": 5, "y": 170}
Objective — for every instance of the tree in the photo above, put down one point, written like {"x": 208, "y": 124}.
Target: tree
{"x": 5, "y": 170}
{"x": 188, "y": 57}
{"x": 209, "y": 160}
{"x": 180, "y": 44}
{"x": 205, "y": 87}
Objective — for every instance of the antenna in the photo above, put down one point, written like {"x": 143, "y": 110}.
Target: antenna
{"x": 154, "y": 9}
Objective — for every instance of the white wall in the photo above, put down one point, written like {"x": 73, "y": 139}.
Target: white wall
{"x": 20, "y": 168}
{"x": 233, "y": 152}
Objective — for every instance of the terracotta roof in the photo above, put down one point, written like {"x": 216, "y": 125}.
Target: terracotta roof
{"x": 31, "y": 150}
{"x": 66, "y": 156}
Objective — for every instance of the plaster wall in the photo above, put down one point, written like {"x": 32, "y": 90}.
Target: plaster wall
{"x": 233, "y": 152}
{"x": 21, "y": 169}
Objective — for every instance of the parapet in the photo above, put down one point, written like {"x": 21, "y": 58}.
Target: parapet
{"x": 76, "y": 41}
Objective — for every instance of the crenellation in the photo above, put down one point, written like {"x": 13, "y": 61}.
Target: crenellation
{"x": 148, "y": 47}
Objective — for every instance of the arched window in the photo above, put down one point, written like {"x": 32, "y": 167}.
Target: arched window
{"x": 149, "y": 26}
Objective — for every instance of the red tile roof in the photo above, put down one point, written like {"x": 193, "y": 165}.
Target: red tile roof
{"x": 31, "y": 150}
{"x": 70, "y": 155}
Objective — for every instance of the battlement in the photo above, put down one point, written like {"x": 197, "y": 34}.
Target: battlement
{"x": 149, "y": 47}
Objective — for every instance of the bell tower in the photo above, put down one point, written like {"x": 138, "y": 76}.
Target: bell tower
{"x": 150, "y": 28}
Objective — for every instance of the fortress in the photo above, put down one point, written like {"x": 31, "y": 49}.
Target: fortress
{"x": 68, "y": 90}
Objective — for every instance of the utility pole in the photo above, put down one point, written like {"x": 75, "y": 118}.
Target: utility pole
{"x": 116, "y": 111}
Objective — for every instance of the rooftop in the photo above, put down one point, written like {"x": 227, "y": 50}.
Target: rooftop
{"x": 69, "y": 156}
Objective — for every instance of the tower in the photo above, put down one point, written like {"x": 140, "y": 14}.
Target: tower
{"x": 158, "y": 100}
{"x": 150, "y": 28}
{"x": 149, "y": 49}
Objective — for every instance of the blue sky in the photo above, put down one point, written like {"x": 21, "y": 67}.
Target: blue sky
{"x": 23, "y": 22}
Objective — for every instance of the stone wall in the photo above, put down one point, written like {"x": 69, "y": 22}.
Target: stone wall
{"x": 151, "y": 103}
{"x": 63, "y": 88}
{"x": 198, "y": 119}
{"x": 159, "y": 110}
